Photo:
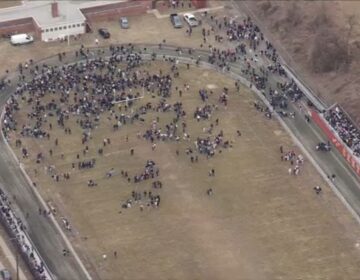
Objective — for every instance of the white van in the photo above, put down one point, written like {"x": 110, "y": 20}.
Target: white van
{"x": 21, "y": 39}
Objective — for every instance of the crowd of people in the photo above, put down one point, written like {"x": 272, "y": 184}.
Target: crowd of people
{"x": 84, "y": 91}
{"x": 345, "y": 128}
{"x": 247, "y": 30}
{"x": 18, "y": 230}
{"x": 296, "y": 161}
{"x": 239, "y": 32}
{"x": 236, "y": 31}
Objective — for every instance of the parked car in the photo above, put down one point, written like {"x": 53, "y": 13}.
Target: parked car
{"x": 104, "y": 33}
{"x": 5, "y": 274}
{"x": 191, "y": 19}
{"x": 176, "y": 20}
{"x": 21, "y": 39}
{"x": 124, "y": 23}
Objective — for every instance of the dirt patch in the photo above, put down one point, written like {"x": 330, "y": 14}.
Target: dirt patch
{"x": 328, "y": 52}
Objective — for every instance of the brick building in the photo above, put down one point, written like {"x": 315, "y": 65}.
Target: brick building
{"x": 52, "y": 20}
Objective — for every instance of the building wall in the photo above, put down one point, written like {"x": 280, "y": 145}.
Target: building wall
{"x": 52, "y": 33}
{"x": 114, "y": 11}
{"x": 99, "y": 13}
{"x": 25, "y": 25}
{"x": 162, "y": 5}
{"x": 198, "y": 4}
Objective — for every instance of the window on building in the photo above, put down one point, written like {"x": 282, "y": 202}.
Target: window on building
{"x": 51, "y": 30}
{"x": 69, "y": 26}
{"x": 55, "y": 28}
{"x": 78, "y": 25}
{"x": 65, "y": 27}
{"x": 47, "y": 30}
{"x": 60, "y": 28}
{"x": 74, "y": 25}
{"x": 83, "y": 24}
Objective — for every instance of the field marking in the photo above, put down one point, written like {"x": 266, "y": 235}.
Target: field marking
{"x": 127, "y": 100}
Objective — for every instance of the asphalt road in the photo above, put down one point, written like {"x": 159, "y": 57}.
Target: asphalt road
{"x": 50, "y": 243}
{"x": 41, "y": 230}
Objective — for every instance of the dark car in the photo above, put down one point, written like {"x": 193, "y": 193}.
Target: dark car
{"x": 104, "y": 33}
{"x": 176, "y": 20}
{"x": 5, "y": 274}
{"x": 324, "y": 147}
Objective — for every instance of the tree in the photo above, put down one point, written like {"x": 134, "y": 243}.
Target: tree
{"x": 352, "y": 22}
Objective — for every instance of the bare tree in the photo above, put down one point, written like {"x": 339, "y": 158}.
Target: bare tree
{"x": 328, "y": 52}
{"x": 352, "y": 22}
{"x": 293, "y": 14}
{"x": 321, "y": 18}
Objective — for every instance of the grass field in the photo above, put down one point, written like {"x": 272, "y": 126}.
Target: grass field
{"x": 261, "y": 223}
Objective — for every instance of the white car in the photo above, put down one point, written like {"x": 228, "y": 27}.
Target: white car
{"x": 21, "y": 39}
{"x": 191, "y": 20}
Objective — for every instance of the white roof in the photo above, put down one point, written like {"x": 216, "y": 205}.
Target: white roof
{"x": 19, "y": 36}
{"x": 40, "y": 11}
{"x": 189, "y": 15}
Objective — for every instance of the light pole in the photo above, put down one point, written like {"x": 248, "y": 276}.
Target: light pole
{"x": 16, "y": 258}
{"x": 67, "y": 23}
{"x": 17, "y": 265}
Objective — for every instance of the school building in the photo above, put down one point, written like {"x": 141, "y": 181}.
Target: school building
{"x": 53, "y": 20}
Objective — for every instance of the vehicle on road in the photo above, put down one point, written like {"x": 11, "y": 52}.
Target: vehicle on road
{"x": 104, "y": 33}
{"x": 324, "y": 147}
{"x": 176, "y": 21}
{"x": 5, "y": 274}
{"x": 124, "y": 23}
{"x": 191, "y": 20}
{"x": 21, "y": 39}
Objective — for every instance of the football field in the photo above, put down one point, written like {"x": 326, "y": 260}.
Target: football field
{"x": 259, "y": 223}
